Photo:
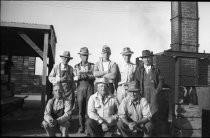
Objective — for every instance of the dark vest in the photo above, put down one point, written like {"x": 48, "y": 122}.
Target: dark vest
{"x": 148, "y": 79}
{"x": 58, "y": 113}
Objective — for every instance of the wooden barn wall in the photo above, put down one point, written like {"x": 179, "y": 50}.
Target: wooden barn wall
{"x": 166, "y": 65}
{"x": 204, "y": 72}
{"x": 23, "y": 74}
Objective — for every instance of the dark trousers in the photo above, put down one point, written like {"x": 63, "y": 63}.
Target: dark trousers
{"x": 84, "y": 91}
{"x": 111, "y": 88}
{"x": 95, "y": 129}
{"x": 126, "y": 132}
{"x": 52, "y": 130}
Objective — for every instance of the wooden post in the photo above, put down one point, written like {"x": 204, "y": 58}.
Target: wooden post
{"x": 9, "y": 70}
{"x": 177, "y": 79}
{"x": 49, "y": 84}
{"x": 44, "y": 71}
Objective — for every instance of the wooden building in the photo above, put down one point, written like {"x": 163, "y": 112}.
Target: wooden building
{"x": 30, "y": 40}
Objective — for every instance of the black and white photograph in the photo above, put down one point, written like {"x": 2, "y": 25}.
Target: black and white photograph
{"x": 105, "y": 68}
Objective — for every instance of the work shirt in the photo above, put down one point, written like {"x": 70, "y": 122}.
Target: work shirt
{"x": 134, "y": 110}
{"x": 127, "y": 71}
{"x": 147, "y": 68}
{"x": 58, "y": 109}
{"x": 100, "y": 111}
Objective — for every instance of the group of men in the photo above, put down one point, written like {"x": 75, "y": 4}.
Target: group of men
{"x": 120, "y": 98}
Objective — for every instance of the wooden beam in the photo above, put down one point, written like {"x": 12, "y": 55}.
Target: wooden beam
{"x": 31, "y": 43}
{"x": 177, "y": 80}
{"x": 44, "y": 71}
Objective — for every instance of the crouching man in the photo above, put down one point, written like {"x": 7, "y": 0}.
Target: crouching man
{"x": 57, "y": 113}
{"x": 134, "y": 114}
{"x": 102, "y": 111}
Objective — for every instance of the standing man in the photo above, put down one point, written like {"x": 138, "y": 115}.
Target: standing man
{"x": 127, "y": 70}
{"x": 102, "y": 111}
{"x": 57, "y": 113}
{"x": 85, "y": 84}
{"x": 63, "y": 73}
{"x": 150, "y": 82}
{"x": 106, "y": 68}
{"x": 134, "y": 114}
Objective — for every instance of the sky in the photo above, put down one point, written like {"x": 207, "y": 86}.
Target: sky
{"x": 139, "y": 25}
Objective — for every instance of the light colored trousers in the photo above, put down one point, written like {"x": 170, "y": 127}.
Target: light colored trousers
{"x": 121, "y": 93}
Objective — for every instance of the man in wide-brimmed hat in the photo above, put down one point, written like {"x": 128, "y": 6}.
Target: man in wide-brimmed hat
{"x": 63, "y": 73}
{"x": 106, "y": 68}
{"x": 150, "y": 81}
{"x": 127, "y": 70}
{"x": 134, "y": 113}
{"x": 102, "y": 111}
{"x": 85, "y": 84}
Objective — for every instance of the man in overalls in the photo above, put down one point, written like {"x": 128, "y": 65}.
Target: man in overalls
{"x": 57, "y": 113}
{"x": 85, "y": 84}
{"x": 63, "y": 73}
{"x": 150, "y": 81}
{"x": 108, "y": 69}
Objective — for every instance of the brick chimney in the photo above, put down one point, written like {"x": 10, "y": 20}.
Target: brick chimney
{"x": 184, "y": 26}
{"x": 184, "y": 38}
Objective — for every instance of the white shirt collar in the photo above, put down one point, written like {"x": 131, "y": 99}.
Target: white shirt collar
{"x": 147, "y": 67}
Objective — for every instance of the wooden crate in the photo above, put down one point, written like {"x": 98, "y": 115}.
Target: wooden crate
{"x": 188, "y": 111}
{"x": 187, "y": 121}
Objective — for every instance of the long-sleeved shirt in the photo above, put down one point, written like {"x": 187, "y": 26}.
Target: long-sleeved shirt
{"x": 135, "y": 111}
{"x": 127, "y": 71}
{"x": 54, "y": 75}
{"x": 99, "y": 110}
{"x": 54, "y": 105}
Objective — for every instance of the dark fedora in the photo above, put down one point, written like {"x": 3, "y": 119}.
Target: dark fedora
{"x": 127, "y": 51}
{"x": 66, "y": 54}
{"x": 146, "y": 53}
{"x": 84, "y": 51}
{"x": 106, "y": 49}
{"x": 132, "y": 87}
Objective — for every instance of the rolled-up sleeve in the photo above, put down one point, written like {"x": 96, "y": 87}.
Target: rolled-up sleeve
{"x": 97, "y": 72}
{"x": 52, "y": 75}
{"x": 67, "y": 112}
{"x": 48, "y": 111}
{"x": 113, "y": 73}
{"x": 92, "y": 111}
{"x": 145, "y": 109}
